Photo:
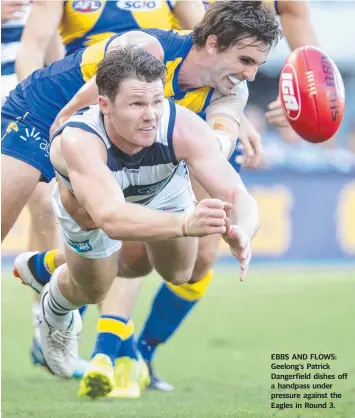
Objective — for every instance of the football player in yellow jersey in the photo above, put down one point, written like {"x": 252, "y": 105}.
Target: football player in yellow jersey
{"x": 83, "y": 23}
{"x": 206, "y": 72}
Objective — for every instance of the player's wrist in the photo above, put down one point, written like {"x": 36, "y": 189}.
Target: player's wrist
{"x": 184, "y": 225}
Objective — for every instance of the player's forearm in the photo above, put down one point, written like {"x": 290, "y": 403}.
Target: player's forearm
{"x": 298, "y": 32}
{"x": 31, "y": 57}
{"x": 245, "y": 211}
{"x": 133, "y": 222}
{"x": 189, "y": 13}
{"x": 55, "y": 50}
{"x": 86, "y": 96}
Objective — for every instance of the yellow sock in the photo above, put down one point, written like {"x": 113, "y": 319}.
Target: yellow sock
{"x": 192, "y": 291}
{"x": 49, "y": 260}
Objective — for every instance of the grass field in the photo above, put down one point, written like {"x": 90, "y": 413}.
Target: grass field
{"x": 220, "y": 360}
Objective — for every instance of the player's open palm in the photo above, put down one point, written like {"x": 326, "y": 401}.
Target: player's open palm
{"x": 240, "y": 247}
{"x": 209, "y": 217}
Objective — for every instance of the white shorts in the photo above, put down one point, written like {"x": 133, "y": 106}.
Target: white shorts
{"x": 177, "y": 196}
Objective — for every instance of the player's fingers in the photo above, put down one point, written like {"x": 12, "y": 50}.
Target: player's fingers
{"x": 216, "y": 213}
{"x": 228, "y": 226}
{"x": 255, "y": 161}
{"x": 211, "y": 230}
{"x": 280, "y": 121}
{"x": 248, "y": 151}
{"x": 274, "y": 114}
{"x": 227, "y": 206}
{"x": 274, "y": 105}
{"x": 244, "y": 268}
{"x": 216, "y": 222}
{"x": 243, "y": 273}
{"x": 244, "y": 254}
{"x": 212, "y": 203}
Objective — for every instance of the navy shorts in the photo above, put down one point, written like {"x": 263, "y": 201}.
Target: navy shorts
{"x": 24, "y": 136}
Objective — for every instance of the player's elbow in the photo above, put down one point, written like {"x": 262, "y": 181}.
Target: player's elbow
{"x": 112, "y": 224}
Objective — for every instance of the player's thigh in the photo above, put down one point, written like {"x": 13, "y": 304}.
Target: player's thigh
{"x": 25, "y": 137}
{"x": 40, "y": 202}
{"x": 173, "y": 259}
{"x": 94, "y": 276}
{"x": 92, "y": 256}
{"x": 25, "y": 157}
{"x": 18, "y": 180}
{"x": 133, "y": 260}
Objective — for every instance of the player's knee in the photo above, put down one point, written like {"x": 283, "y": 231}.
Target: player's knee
{"x": 179, "y": 277}
{"x": 95, "y": 296}
{"x": 91, "y": 292}
{"x": 206, "y": 257}
{"x": 133, "y": 261}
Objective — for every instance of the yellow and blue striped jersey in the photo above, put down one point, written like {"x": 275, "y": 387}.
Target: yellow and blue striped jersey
{"x": 177, "y": 45}
{"x": 48, "y": 90}
{"x": 85, "y": 23}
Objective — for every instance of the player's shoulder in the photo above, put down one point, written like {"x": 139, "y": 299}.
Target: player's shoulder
{"x": 185, "y": 121}
{"x": 175, "y": 43}
{"x": 88, "y": 119}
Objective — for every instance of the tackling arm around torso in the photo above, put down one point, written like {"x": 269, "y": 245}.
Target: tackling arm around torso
{"x": 88, "y": 94}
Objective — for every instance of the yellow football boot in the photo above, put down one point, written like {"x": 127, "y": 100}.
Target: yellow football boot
{"x": 127, "y": 381}
{"x": 98, "y": 381}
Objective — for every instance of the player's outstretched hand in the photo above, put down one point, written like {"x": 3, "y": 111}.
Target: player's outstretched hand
{"x": 276, "y": 115}
{"x": 209, "y": 217}
{"x": 240, "y": 246}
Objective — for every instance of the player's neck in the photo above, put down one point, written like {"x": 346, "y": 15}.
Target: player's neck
{"x": 194, "y": 71}
{"x": 118, "y": 140}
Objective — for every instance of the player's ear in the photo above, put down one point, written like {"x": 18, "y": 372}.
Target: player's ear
{"x": 104, "y": 103}
{"x": 212, "y": 44}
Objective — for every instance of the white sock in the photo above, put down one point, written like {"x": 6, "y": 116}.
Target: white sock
{"x": 56, "y": 307}
{"x": 35, "y": 318}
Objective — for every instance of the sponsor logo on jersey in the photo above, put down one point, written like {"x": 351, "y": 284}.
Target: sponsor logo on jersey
{"x": 138, "y": 5}
{"x": 290, "y": 92}
{"x": 80, "y": 247}
{"x": 86, "y": 6}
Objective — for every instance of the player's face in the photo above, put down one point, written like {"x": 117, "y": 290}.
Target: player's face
{"x": 137, "y": 110}
{"x": 239, "y": 63}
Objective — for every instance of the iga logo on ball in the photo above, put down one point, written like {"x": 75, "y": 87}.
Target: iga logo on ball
{"x": 312, "y": 94}
{"x": 290, "y": 92}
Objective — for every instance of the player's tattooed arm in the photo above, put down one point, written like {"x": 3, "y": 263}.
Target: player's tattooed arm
{"x": 225, "y": 115}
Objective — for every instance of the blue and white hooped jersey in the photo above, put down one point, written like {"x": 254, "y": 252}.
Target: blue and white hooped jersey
{"x": 144, "y": 175}
{"x": 11, "y": 32}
